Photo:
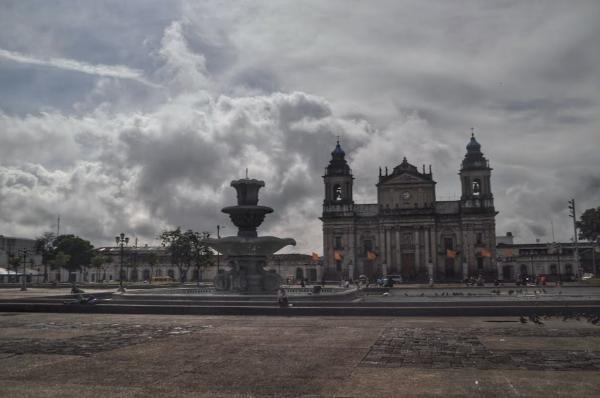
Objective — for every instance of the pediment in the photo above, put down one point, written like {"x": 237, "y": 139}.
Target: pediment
{"x": 404, "y": 178}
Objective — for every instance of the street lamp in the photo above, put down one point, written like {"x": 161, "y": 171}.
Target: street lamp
{"x": 121, "y": 241}
{"x": 24, "y": 253}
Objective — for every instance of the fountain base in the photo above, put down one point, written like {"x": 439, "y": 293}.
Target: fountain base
{"x": 247, "y": 275}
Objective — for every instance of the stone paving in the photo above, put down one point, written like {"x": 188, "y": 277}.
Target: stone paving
{"x": 91, "y": 355}
{"x": 444, "y": 348}
{"x": 100, "y": 337}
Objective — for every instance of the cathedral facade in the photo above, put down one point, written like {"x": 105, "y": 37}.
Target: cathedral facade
{"x": 408, "y": 232}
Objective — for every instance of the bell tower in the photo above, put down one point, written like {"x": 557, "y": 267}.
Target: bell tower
{"x": 475, "y": 178}
{"x": 338, "y": 179}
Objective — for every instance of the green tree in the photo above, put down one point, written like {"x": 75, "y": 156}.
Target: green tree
{"x": 178, "y": 246}
{"x": 99, "y": 263}
{"x": 43, "y": 246}
{"x": 201, "y": 254}
{"x": 60, "y": 260}
{"x": 78, "y": 250}
{"x": 151, "y": 260}
{"x": 589, "y": 225}
{"x": 14, "y": 262}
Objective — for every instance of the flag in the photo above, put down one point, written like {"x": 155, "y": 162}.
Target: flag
{"x": 507, "y": 252}
{"x": 338, "y": 255}
{"x": 315, "y": 257}
{"x": 486, "y": 253}
{"x": 371, "y": 255}
{"x": 450, "y": 253}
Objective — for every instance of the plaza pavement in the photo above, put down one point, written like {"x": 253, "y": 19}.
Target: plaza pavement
{"x": 95, "y": 355}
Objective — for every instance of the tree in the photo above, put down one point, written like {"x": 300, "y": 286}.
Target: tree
{"x": 201, "y": 254}
{"x": 60, "y": 260}
{"x": 14, "y": 262}
{"x": 99, "y": 263}
{"x": 78, "y": 250}
{"x": 589, "y": 225}
{"x": 43, "y": 246}
{"x": 179, "y": 248}
{"x": 152, "y": 260}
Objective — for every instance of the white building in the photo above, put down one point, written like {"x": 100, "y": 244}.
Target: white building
{"x": 144, "y": 263}
{"x": 13, "y": 252}
{"x": 557, "y": 261}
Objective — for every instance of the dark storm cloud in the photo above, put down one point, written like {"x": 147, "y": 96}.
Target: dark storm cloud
{"x": 134, "y": 116}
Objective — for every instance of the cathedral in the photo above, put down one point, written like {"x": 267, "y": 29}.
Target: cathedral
{"x": 408, "y": 232}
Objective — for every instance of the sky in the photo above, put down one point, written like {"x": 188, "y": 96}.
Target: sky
{"x": 135, "y": 116}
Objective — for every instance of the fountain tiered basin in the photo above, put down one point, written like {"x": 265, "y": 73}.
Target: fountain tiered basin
{"x": 247, "y": 252}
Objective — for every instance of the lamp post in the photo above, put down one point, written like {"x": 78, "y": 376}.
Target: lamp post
{"x": 24, "y": 253}
{"x": 121, "y": 241}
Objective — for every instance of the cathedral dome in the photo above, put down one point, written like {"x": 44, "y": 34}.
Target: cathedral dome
{"x": 473, "y": 145}
{"x": 338, "y": 152}
{"x": 338, "y": 164}
{"x": 474, "y": 159}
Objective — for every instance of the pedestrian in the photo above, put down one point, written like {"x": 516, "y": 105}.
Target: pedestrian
{"x": 302, "y": 282}
{"x": 282, "y": 298}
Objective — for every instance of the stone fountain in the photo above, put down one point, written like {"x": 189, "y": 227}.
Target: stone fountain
{"x": 247, "y": 252}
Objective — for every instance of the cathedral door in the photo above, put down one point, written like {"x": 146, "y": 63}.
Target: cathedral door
{"x": 369, "y": 269}
{"x": 409, "y": 271}
{"x": 449, "y": 268}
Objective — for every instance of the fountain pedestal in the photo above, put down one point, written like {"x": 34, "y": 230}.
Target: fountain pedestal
{"x": 247, "y": 252}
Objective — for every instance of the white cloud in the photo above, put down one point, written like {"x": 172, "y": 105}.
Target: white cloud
{"x": 118, "y": 71}
{"x": 268, "y": 86}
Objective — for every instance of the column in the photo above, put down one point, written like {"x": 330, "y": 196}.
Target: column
{"x": 417, "y": 250}
{"x": 398, "y": 253}
{"x": 381, "y": 256}
{"x": 426, "y": 232}
{"x": 351, "y": 257}
{"x": 388, "y": 247}
{"x": 434, "y": 255}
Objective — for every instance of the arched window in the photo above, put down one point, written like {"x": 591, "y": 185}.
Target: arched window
{"x": 134, "y": 275}
{"x": 523, "y": 269}
{"x": 299, "y": 273}
{"x": 476, "y": 187}
{"x": 553, "y": 269}
{"x": 337, "y": 192}
{"x": 568, "y": 269}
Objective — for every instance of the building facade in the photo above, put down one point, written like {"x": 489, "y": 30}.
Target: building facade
{"x": 557, "y": 261}
{"x": 408, "y": 232}
{"x": 13, "y": 253}
{"x": 144, "y": 263}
